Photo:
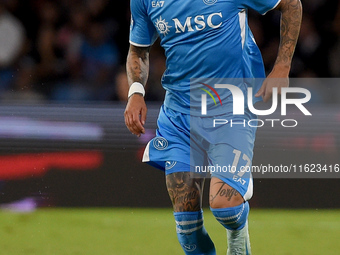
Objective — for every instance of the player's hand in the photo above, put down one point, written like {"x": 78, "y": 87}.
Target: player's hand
{"x": 278, "y": 78}
{"x": 135, "y": 114}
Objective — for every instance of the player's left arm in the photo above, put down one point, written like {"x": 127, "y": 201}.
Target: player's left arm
{"x": 291, "y": 15}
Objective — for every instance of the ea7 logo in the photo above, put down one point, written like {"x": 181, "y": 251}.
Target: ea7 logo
{"x": 155, "y": 4}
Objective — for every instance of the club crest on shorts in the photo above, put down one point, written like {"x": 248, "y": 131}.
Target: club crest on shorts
{"x": 189, "y": 247}
{"x": 170, "y": 164}
{"x": 209, "y": 2}
{"x": 160, "y": 143}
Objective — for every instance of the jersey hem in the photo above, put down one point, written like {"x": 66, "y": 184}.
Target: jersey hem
{"x": 138, "y": 44}
{"x": 278, "y": 2}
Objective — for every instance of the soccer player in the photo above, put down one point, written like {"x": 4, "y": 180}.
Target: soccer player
{"x": 205, "y": 39}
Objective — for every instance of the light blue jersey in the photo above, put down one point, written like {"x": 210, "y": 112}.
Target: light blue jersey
{"x": 202, "y": 39}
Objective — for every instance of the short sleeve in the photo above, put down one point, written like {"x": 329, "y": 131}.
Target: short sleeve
{"x": 261, "y": 6}
{"x": 142, "y": 31}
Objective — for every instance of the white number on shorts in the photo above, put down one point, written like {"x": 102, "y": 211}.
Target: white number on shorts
{"x": 237, "y": 159}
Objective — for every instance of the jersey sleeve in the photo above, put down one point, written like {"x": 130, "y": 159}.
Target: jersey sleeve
{"x": 261, "y": 6}
{"x": 142, "y": 31}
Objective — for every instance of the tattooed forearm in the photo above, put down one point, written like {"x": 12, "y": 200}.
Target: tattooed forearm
{"x": 137, "y": 64}
{"x": 185, "y": 192}
{"x": 223, "y": 191}
{"x": 289, "y": 31}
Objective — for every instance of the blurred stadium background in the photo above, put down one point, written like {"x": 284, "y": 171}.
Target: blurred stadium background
{"x": 63, "y": 141}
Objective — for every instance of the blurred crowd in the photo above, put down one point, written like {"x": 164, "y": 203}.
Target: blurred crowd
{"x": 318, "y": 50}
{"x": 75, "y": 50}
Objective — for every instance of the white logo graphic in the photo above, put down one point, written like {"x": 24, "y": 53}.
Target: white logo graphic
{"x": 170, "y": 164}
{"x": 160, "y": 143}
{"x": 239, "y": 98}
{"x": 163, "y": 26}
{"x": 157, "y": 4}
{"x": 200, "y": 22}
{"x": 209, "y": 2}
{"x": 189, "y": 247}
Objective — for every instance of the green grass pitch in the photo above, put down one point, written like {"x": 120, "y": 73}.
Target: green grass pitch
{"x": 124, "y": 231}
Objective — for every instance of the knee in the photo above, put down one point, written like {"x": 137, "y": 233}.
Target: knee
{"x": 233, "y": 218}
{"x": 218, "y": 203}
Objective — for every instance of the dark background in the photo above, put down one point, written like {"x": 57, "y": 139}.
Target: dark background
{"x": 120, "y": 179}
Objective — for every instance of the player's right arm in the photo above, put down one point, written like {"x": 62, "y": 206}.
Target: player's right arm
{"x": 137, "y": 66}
{"x": 142, "y": 35}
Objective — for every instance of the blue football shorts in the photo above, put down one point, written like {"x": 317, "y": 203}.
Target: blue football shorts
{"x": 220, "y": 146}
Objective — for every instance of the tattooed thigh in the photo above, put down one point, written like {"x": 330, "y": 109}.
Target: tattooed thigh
{"x": 185, "y": 192}
{"x": 222, "y": 195}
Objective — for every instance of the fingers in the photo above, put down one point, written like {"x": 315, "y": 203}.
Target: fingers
{"x": 134, "y": 124}
{"x": 137, "y": 124}
{"x": 267, "y": 94}
{"x": 143, "y": 115}
{"x": 265, "y": 91}
{"x": 261, "y": 90}
{"x": 135, "y": 116}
